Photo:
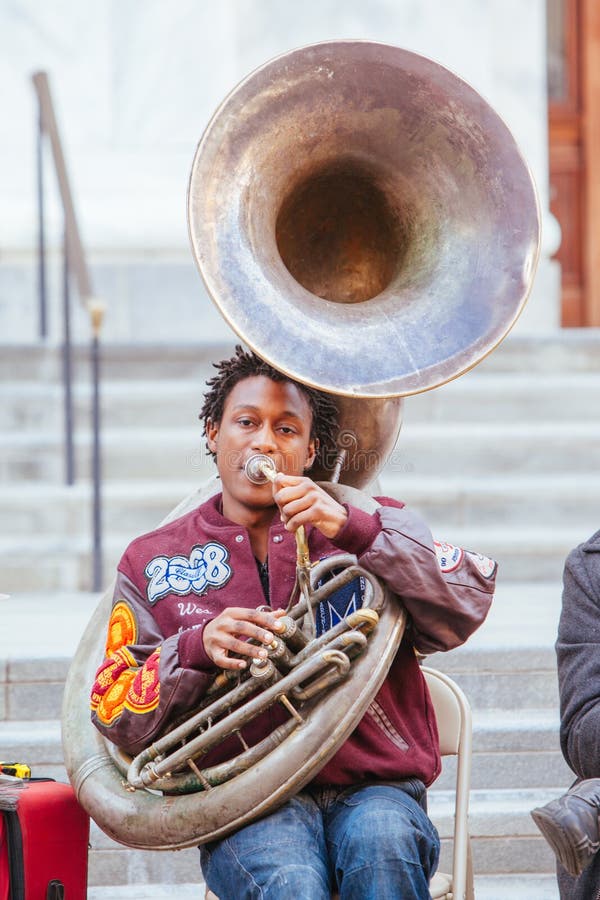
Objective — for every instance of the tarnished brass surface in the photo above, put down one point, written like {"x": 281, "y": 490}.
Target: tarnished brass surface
{"x": 363, "y": 219}
{"x": 156, "y": 821}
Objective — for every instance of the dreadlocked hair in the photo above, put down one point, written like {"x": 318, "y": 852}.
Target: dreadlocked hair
{"x": 245, "y": 364}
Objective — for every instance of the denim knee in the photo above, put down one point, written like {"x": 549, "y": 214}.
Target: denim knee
{"x": 282, "y": 855}
{"x": 380, "y": 838}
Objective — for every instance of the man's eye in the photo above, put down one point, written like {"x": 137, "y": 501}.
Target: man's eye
{"x": 245, "y": 422}
{"x": 287, "y": 430}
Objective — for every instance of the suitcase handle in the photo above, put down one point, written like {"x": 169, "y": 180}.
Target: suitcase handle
{"x": 55, "y": 890}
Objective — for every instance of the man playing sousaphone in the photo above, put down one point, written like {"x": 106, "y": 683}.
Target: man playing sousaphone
{"x": 198, "y": 594}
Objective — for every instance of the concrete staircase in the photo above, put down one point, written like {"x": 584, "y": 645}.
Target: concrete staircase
{"x": 503, "y": 460}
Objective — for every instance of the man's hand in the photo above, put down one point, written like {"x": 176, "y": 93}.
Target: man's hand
{"x": 224, "y": 635}
{"x": 302, "y": 502}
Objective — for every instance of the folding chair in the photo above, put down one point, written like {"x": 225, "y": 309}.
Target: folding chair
{"x": 453, "y": 715}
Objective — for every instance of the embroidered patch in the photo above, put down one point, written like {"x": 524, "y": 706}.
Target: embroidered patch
{"x": 449, "y": 556}
{"x": 144, "y": 692}
{"x": 121, "y": 685}
{"x": 206, "y": 568}
{"x": 339, "y": 605}
{"x": 483, "y": 564}
{"x": 109, "y": 693}
{"x": 122, "y": 629}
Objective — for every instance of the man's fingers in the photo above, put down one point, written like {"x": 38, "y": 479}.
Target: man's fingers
{"x": 220, "y": 659}
{"x": 241, "y": 617}
{"x": 233, "y": 645}
{"x": 241, "y": 631}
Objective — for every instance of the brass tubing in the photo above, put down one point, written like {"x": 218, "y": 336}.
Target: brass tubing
{"x": 138, "y": 777}
{"x": 188, "y": 782}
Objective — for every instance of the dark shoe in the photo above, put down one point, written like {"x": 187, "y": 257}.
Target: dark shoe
{"x": 570, "y": 825}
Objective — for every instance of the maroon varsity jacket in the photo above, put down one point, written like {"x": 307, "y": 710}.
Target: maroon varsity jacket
{"x": 174, "y": 580}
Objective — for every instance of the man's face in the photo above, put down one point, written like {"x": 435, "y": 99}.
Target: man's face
{"x": 260, "y": 416}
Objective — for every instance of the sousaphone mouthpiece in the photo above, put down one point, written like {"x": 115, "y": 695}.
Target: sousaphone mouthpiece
{"x": 260, "y": 468}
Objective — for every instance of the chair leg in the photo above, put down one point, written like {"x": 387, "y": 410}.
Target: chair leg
{"x": 470, "y": 892}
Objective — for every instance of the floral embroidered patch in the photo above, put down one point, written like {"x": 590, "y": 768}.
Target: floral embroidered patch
{"x": 109, "y": 693}
{"x": 144, "y": 693}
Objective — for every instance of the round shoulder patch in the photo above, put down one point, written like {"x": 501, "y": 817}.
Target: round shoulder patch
{"x": 483, "y": 564}
{"x": 449, "y": 556}
{"x": 122, "y": 628}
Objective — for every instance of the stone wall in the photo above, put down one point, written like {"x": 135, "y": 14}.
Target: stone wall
{"x": 136, "y": 82}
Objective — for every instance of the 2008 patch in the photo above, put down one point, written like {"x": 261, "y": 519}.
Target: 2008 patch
{"x": 206, "y": 568}
{"x": 449, "y": 556}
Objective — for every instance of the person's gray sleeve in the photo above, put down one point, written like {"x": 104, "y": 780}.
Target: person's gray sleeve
{"x": 578, "y": 658}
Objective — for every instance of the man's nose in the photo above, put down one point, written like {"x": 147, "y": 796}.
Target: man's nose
{"x": 265, "y": 440}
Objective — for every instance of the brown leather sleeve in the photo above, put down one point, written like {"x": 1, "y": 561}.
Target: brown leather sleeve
{"x": 446, "y": 590}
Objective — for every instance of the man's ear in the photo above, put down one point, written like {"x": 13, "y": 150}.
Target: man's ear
{"x": 212, "y": 430}
{"x": 313, "y": 446}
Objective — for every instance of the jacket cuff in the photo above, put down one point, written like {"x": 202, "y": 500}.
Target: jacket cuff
{"x": 192, "y": 654}
{"x": 359, "y": 532}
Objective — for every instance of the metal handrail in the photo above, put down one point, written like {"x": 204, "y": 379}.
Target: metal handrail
{"x": 75, "y": 264}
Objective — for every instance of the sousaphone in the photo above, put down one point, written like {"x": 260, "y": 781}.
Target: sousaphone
{"x": 365, "y": 222}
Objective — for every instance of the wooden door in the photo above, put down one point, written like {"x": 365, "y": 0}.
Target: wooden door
{"x": 574, "y": 137}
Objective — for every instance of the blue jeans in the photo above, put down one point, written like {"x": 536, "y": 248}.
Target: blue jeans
{"x": 369, "y": 843}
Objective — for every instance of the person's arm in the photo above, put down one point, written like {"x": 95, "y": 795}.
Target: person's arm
{"x": 447, "y": 591}
{"x": 145, "y": 679}
{"x": 578, "y": 657}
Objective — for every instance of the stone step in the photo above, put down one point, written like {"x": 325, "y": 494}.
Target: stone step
{"x": 511, "y": 749}
{"x": 447, "y": 505}
{"x": 165, "y": 891}
{"x": 32, "y": 405}
{"x": 508, "y": 397}
{"x": 487, "y": 887}
{"x": 504, "y": 839}
{"x": 495, "y": 449}
{"x": 128, "y": 508}
{"x": 510, "y": 887}
{"x": 508, "y": 663}
{"x": 32, "y": 689}
{"x": 482, "y": 449}
{"x": 563, "y": 351}
{"x": 175, "y": 402}
{"x": 493, "y": 500}
{"x": 127, "y": 453}
{"x": 64, "y": 562}
{"x": 531, "y": 683}
{"x": 42, "y": 361}
{"x": 566, "y": 350}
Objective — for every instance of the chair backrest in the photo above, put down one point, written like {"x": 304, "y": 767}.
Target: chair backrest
{"x": 453, "y": 715}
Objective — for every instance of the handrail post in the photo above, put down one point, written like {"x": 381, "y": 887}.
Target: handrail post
{"x": 67, "y": 369}
{"x": 97, "y": 310}
{"x": 75, "y": 264}
{"x": 42, "y": 293}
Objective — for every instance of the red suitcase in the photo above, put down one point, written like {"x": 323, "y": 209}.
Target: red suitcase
{"x": 44, "y": 836}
